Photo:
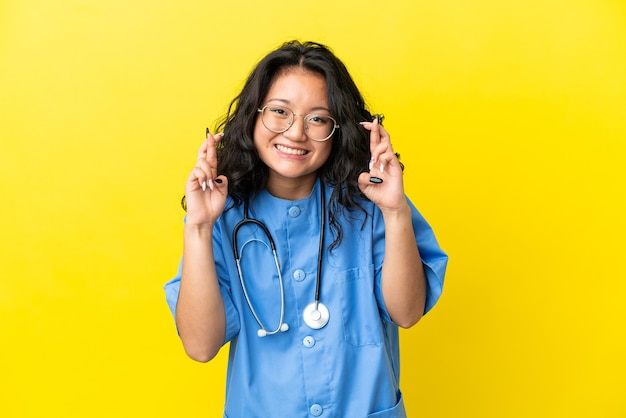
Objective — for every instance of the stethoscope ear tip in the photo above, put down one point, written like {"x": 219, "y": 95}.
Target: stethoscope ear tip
{"x": 283, "y": 328}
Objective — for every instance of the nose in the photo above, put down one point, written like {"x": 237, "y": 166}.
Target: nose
{"x": 296, "y": 131}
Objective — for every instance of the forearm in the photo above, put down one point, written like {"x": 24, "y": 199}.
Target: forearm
{"x": 403, "y": 277}
{"x": 200, "y": 316}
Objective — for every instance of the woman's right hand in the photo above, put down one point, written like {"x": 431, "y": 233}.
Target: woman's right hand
{"x": 205, "y": 191}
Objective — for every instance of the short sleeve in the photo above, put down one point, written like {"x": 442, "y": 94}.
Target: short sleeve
{"x": 172, "y": 289}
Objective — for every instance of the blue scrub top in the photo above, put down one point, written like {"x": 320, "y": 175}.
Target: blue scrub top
{"x": 350, "y": 367}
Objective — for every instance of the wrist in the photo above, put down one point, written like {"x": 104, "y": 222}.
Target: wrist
{"x": 198, "y": 230}
{"x": 397, "y": 214}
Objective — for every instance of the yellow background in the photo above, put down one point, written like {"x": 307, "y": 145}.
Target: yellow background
{"x": 510, "y": 117}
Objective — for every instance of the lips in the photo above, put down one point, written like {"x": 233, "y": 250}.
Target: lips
{"x": 292, "y": 151}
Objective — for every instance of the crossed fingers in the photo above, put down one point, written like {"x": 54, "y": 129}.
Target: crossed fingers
{"x": 206, "y": 165}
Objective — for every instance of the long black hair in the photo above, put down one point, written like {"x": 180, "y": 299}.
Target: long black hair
{"x": 237, "y": 156}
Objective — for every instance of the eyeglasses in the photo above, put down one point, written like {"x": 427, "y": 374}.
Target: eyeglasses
{"x": 317, "y": 127}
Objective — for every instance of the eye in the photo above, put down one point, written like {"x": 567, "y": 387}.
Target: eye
{"x": 278, "y": 111}
{"x": 319, "y": 120}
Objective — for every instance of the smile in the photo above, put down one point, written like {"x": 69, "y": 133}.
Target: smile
{"x": 291, "y": 151}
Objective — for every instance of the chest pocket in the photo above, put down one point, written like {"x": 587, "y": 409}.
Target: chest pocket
{"x": 360, "y": 316}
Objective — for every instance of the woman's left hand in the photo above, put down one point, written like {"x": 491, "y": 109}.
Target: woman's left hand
{"x": 387, "y": 194}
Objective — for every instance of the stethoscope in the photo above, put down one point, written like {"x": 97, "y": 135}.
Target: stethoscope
{"x": 316, "y": 314}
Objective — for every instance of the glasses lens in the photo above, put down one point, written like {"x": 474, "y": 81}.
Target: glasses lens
{"x": 277, "y": 118}
{"x": 319, "y": 127}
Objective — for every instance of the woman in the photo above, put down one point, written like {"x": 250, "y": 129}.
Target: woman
{"x": 313, "y": 329}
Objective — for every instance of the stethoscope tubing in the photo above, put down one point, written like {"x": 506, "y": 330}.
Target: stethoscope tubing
{"x": 320, "y": 250}
{"x": 247, "y": 220}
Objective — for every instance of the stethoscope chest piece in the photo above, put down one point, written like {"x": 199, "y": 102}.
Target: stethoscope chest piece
{"x": 316, "y": 317}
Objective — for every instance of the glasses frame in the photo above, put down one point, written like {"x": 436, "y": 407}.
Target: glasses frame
{"x": 293, "y": 117}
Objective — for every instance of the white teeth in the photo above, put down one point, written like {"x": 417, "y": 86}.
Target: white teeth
{"x": 292, "y": 151}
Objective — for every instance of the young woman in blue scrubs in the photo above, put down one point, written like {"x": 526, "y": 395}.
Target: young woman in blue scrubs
{"x": 313, "y": 331}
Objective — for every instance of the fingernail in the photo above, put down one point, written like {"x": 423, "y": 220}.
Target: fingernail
{"x": 382, "y": 167}
{"x": 218, "y": 181}
{"x": 371, "y": 164}
{"x": 376, "y": 180}
{"x": 211, "y": 186}
{"x": 204, "y": 186}
{"x": 207, "y": 131}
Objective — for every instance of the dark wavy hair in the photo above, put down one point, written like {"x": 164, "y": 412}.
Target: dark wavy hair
{"x": 237, "y": 156}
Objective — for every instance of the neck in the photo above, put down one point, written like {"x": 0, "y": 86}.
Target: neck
{"x": 291, "y": 189}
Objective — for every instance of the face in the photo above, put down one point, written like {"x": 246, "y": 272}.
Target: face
{"x": 293, "y": 158}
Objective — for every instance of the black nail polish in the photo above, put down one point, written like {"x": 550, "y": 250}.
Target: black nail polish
{"x": 218, "y": 181}
{"x": 376, "y": 180}
{"x": 207, "y": 131}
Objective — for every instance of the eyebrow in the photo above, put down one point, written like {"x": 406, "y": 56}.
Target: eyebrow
{"x": 287, "y": 102}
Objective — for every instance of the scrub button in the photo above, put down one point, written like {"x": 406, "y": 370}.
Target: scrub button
{"x": 308, "y": 341}
{"x": 316, "y": 410}
{"x": 299, "y": 275}
{"x": 294, "y": 211}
